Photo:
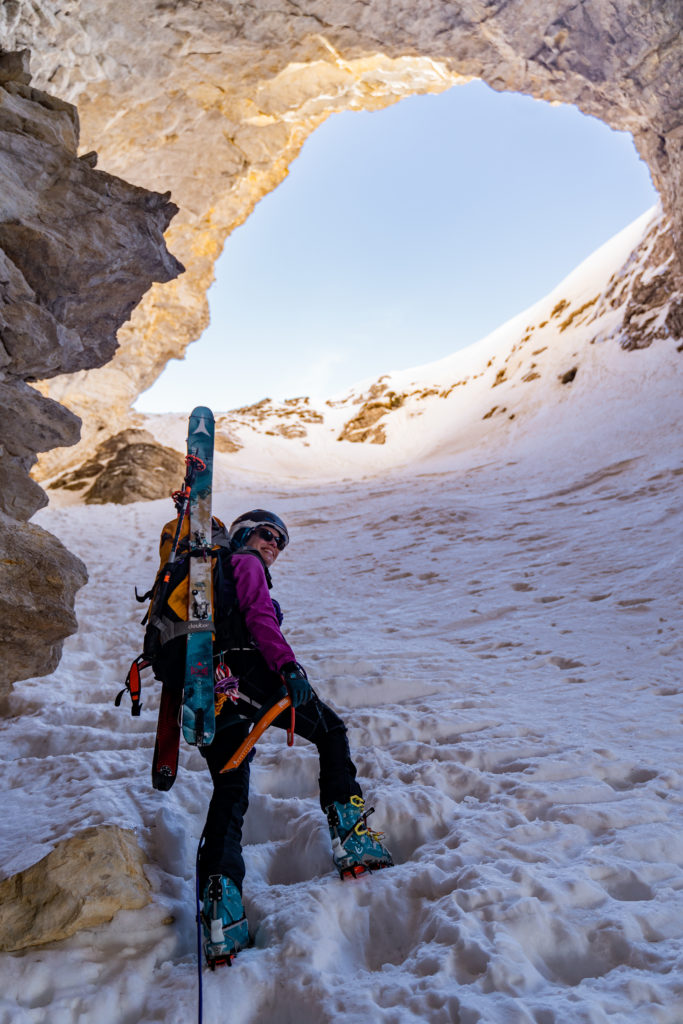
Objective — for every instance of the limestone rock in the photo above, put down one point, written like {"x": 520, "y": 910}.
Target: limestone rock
{"x": 225, "y": 442}
{"x": 138, "y": 472}
{"x": 20, "y": 496}
{"x": 79, "y": 246}
{"x": 78, "y": 249}
{"x": 31, "y": 423}
{"x": 82, "y": 883}
{"x": 365, "y": 425}
{"x": 131, "y": 466}
{"x": 40, "y": 579}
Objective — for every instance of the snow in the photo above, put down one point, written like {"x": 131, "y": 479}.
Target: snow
{"x": 493, "y": 607}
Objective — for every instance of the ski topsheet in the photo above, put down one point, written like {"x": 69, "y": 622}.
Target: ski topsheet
{"x": 199, "y": 721}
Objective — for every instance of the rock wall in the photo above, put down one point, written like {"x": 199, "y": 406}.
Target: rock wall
{"x": 214, "y": 100}
{"x": 78, "y": 249}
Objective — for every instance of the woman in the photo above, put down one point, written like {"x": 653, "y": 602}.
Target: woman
{"x": 252, "y": 660}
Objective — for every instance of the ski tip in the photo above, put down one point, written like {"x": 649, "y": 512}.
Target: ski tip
{"x": 202, "y": 411}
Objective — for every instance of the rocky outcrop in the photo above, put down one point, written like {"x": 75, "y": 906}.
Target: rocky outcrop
{"x": 82, "y": 883}
{"x": 649, "y": 290}
{"x": 131, "y": 466}
{"x": 215, "y": 101}
{"x": 78, "y": 249}
{"x": 40, "y": 579}
{"x": 365, "y": 425}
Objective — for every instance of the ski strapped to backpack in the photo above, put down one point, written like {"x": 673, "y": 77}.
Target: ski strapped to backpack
{"x": 193, "y": 465}
{"x": 180, "y": 627}
{"x": 165, "y": 622}
{"x": 199, "y": 717}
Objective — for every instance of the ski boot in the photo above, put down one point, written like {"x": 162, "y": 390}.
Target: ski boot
{"x": 355, "y": 847}
{"x": 223, "y": 921}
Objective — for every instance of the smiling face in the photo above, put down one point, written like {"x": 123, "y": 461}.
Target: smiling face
{"x": 264, "y": 539}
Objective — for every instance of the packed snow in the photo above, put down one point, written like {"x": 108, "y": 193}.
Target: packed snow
{"x": 494, "y": 608}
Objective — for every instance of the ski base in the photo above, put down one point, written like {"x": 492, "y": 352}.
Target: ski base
{"x": 199, "y": 720}
{"x": 199, "y": 717}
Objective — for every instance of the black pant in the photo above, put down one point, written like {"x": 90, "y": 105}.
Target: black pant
{"x": 315, "y": 721}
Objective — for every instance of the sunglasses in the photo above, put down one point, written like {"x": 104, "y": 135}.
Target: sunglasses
{"x": 269, "y": 536}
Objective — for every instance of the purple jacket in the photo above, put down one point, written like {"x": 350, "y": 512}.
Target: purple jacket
{"x": 259, "y": 615}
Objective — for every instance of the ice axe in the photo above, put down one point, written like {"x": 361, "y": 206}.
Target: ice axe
{"x": 267, "y": 714}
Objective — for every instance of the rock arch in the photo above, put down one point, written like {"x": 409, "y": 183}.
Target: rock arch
{"x": 214, "y": 100}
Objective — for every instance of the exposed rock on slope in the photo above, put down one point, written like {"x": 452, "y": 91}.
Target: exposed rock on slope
{"x": 216, "y": 99}
{"x": 83, "y": 882}
{"x": 640, "y": 305}
{"x": 365, "y": 425}
{"x": 591, "y": 323}
{"x": 78, "y": 248}
{"x": 128, "y": 467}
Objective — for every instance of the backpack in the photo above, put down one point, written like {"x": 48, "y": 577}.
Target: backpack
{"x": 166, "y": 618}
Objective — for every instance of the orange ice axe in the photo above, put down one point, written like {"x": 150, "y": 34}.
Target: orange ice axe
{"x": 267, "y": 714}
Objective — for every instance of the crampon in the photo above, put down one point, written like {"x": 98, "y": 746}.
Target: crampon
{"x": 223, "y": 922}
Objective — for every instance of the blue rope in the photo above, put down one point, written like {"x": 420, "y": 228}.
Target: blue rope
{"x": 198, "y": 902}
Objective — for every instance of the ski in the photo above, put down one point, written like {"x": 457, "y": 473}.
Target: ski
{"x": 199, "y": 721}
{"x": 167, "y": 745}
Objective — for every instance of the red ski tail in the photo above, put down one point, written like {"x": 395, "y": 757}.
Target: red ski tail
{"x": 167, "y": 747}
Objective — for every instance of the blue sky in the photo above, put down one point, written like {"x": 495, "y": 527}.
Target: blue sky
{"x": 400, "y": 236}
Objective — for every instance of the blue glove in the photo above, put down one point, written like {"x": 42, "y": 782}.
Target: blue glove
{"x": 297, "y": 684}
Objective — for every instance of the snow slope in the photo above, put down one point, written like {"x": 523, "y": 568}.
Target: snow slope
{"x": 508, "y": 389}
{"x": 494, "y": 608}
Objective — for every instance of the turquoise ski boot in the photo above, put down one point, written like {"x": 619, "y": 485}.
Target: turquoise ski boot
{"x": 223, "y": 921}
{"x": 355, "y": 847}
